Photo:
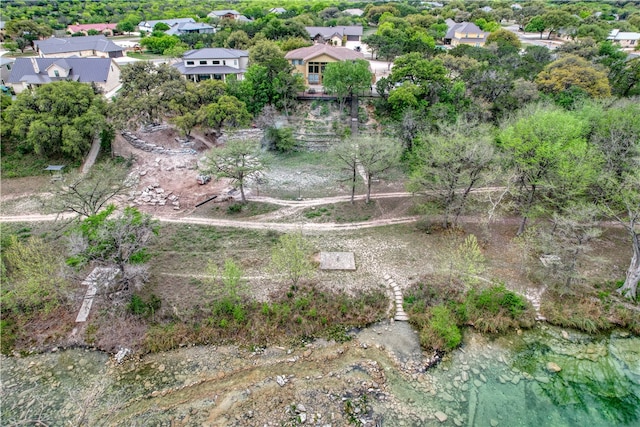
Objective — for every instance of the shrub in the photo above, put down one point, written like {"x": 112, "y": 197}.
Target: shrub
{"x": 234, "y": 208}
{"x": 440, "y": 331}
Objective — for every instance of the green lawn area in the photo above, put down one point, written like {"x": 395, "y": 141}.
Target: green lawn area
{"x": 145, "y": 56}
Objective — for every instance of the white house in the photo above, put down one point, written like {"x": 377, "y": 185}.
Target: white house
{"x": 228, "y": 14}
{"x": 213, "y": 63}
{"x": 148, "y": 25}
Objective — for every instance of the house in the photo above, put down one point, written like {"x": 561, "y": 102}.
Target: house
{"x": 278, "y": 10}
{"x": 464, "y": 33}
{"x": 624, "y": 39}
{"x": 335, "y": 35}
{"x": 65, "y": 47}
{"x": 106, "y": 29}
{"x": 6, "y": 64}
{"x": 228, "y": 14}
{"x": 310, "y": 61}
{"x": 353, "y": 12}
{"x": 213, "y": 63}
{"x": 29, "y": 72}
{"x": 148, "y": 26}
{"x": 486, "y": 9}
{"x": 190, "y": 28}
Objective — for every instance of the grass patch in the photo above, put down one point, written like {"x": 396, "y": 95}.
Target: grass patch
{"x": 344, "y": 212}
{"x": 590, "y": 309}
{"x": 296, "y": 316}
{"x": 145, "y": 56}
{"x": 236, "y": 209}
{"x": 439, "y": 311}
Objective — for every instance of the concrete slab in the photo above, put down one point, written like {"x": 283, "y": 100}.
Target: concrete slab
{"x": 99, "y": 276}
{"x": 337, "y": 261}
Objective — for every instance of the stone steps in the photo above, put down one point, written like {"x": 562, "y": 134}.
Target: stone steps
{"x": 397, "y": 299}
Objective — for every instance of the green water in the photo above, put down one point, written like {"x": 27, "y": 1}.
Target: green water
{"x": 507, "y": 382}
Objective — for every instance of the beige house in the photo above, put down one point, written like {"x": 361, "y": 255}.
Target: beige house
{"x": 464, "y": 33}
{"x": 309, "y": 62}
{"x": 28, "y": 73}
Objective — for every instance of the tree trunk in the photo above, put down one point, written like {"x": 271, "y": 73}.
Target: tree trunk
{"x": 524, "y": 217}
{"x": 242, "y": 197}
{"x": 630, "y": 287}
{"x": 353, "y": 185}
{"x": 368, "y": 188}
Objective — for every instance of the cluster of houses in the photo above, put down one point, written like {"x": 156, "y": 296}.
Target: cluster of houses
{"x": 95, "y": 59}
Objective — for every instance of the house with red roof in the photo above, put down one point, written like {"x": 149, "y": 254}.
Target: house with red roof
{"x": 106, "y": 29}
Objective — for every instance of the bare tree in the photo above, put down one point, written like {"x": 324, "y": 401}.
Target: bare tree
{"x": 376, "y": 155}
{"x": 86, "y": 194}
{"x": 345, "y": 153}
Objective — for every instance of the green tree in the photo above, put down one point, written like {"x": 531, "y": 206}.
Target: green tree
{"x": 547, "y": 149}
{"x": 146, "y": 93}
{"x": 502, "y": 36}
{"x": 291, "y": 257}
{"x": 59, "y": 118}
{"x": 536, "y": 25}
{"x": 556, "y": 19}
{"x": 226, "y": 111}
{"x": 118, "y": 240}
{"x": 238, "y": 161}
{"x": 450, "y": 163}
{"x": 571, "y": 71}
{"x": 28, "y": 30}
{"x": 346, "y": 78}
{"x": 376, "y": 155}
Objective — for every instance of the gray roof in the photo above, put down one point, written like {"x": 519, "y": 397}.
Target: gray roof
{"x": 4, "y": 60}
{"x": 169, "y": 22}
{"x": 464, "y": 27}
{"x": 328, "y": 32}
{"x": 215, "y": 53}
{"x": 75, "y": 44}
{"x": 188, "y": 26}
{"x": 85, "y": 70}
{"x": 207, "y": 69}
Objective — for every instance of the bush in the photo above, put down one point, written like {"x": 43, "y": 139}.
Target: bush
{"x": 441, "y": 331}
{"x": 139, "y": 307}
{"x": 234, "y": 208}
{"x": 494, "y": 309}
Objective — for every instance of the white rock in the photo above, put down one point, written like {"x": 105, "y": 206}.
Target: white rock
{"x": 441, "y": 416}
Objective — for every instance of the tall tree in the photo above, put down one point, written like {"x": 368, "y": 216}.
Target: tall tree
{"x": 59, "y": 118}
{"x": 376, "y": 155}
{"x": 226, "y": 111}
{"x": 547, "y": 148}
{"x": 238, "y": 160}
{"x": 346, "y": 78}
{"x": 450, "y": 163}
{"x": 146, "y": 93}
{"x": 572, "y": 71}
{"x": 291, "y": 257}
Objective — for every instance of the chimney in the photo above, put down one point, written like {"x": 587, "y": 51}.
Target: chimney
{"x": 34, "y": 62}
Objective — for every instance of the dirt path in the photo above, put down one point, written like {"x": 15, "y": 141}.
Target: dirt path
{"x": 92, "y": 156}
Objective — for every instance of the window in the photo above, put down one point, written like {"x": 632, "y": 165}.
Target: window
{"x": 190, "y": 62}
{"x": 9, "y": 67}
{"x": 235, "y": 62}
{"x": 215, "y": 62}
{"x": 224, "y": 62}
{"x": 203, "y": 62}
{"x": 57, "y": 73}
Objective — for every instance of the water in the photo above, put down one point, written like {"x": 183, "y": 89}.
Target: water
{"x": 501, "y": 382}
{"x": 508, "y": 382}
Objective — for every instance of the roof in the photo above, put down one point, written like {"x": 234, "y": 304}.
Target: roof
{"x": 277, "y": 10}
{"x": 75, "y": 44}
{"x": 215, "y": 53}
{"x": 207, "y": 69}
{"x": 86, "y": 27}
{"x": 310, "y": 52}
{"x": 617, "y": 35}
{"x": 328, "y": 32}
{"x": 223, "y": 12}
{"x": 466, "y": 28}
{"x": 4, "y": 60}
{"x": 169, "y": 22}
{"x": 354, "y": 12}
{"x": 187, "y": 26}
{"x": 84, "y": 70}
